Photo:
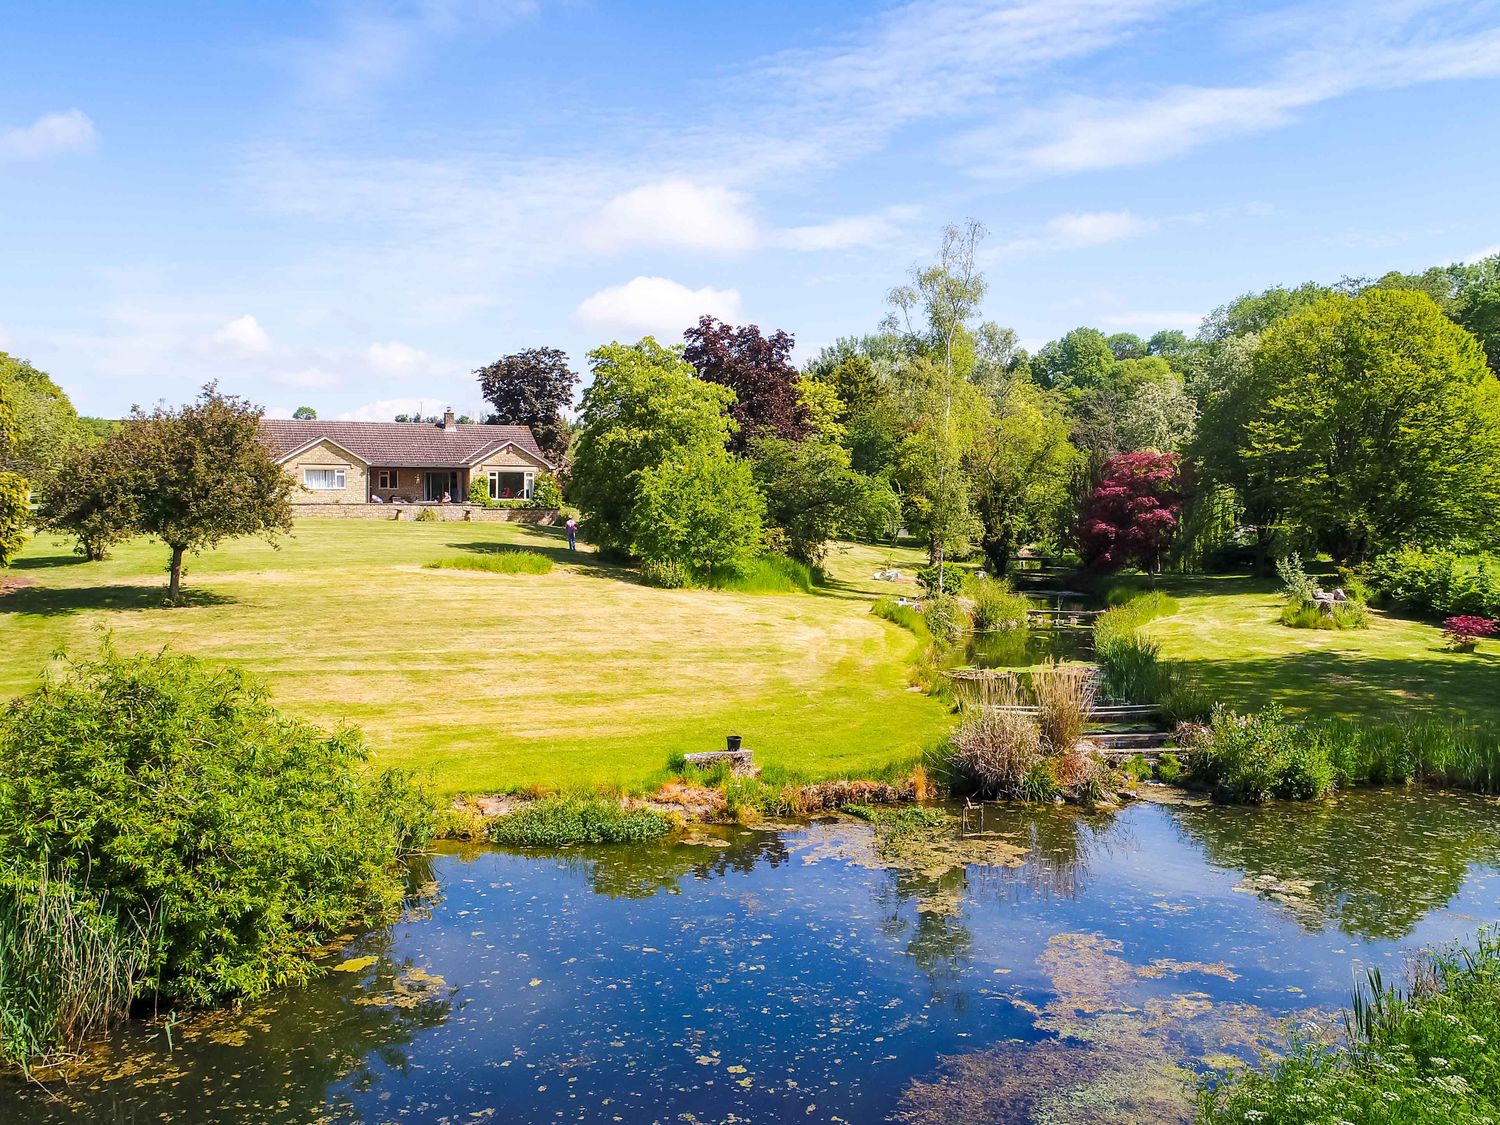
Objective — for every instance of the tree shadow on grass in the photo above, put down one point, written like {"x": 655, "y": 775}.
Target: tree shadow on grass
{"x": 44, "y": 562}
{"x": 1350, "y": 686}
{"x": 47, "y": 601}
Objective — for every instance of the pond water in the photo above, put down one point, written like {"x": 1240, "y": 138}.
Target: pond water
{"x": 1021, "y": 648}
{"x": 1056, "y": 966}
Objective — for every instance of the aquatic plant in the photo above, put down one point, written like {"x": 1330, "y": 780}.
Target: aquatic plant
{"x": 1419, "y": 1054}
{"x": 556, "y": 821}
{"x": 1131, "y": 666}
{"x": 1064, "y": 697}
{"x": 507, "y": 560}
{"x": 68, "y": 969}
{"x": 946, "y": 619}
{"x": 996, "y": 751}
{"x": 997, "y": 605}
{"x": 1252, "y": 758}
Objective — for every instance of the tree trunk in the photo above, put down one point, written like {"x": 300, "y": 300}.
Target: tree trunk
{"x": 174, "y": 583}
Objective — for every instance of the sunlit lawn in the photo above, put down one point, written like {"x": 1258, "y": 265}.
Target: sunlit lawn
{"x": 1228, "y": 632}
{"x": 579, "y": 677}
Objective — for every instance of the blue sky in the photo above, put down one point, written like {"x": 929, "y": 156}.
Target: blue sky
{"x": 352, "y": 206}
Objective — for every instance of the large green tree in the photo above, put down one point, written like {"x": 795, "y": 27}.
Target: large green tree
{"x": 1373, "y": 420}
{"x": 532, "y": 388}
{"x": 199, "y": 475}
{"x": 813, "y": 495}
{"x": 644, "y": 406}
{"x": 1078, "y": 362}
{"x": 15, "y": 493}
{"x": 699, "y": 508}
{"x": 44, "y": 425}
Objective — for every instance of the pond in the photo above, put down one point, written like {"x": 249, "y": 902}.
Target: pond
{"x": 1055, "y": 965}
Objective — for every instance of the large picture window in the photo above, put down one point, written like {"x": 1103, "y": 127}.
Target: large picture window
{"x": 323, "y": 479}
{"x": 506, "y": 485}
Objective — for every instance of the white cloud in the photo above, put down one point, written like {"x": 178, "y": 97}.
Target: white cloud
{"x": 675, "y": 213}
{"x": 49, "y": 135}
{"x": 1469, "y": 259}
{"x": 397, "y": 359}
{"x": 1076, "y": 230}
{"x": 309, "y": 378}
{"x": 657, "y": 306}
{"x": 245, "y": 335}
{"x": 846, "y": 233}
{"x": 1151, "y": 321}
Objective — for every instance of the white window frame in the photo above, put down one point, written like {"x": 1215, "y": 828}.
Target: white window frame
{"x": 338, "y": 484}
{"x": 528, "y": 482}
{"x": 389, "y": 478}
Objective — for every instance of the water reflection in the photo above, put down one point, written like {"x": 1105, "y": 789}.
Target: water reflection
{"x": 1046, "y": 965}
{"x": 1373, "y": 864}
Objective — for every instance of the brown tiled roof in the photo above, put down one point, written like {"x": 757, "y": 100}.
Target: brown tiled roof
{"x": 400, "y": 445}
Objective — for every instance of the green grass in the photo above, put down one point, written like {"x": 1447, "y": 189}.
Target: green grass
{"x": 768, "y": 574}
{"x": 1226, "y": 632}
{"x": 579, "y": 678}
{"x": 507, "y": 561}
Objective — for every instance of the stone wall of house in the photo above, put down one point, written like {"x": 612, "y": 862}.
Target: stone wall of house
{"x": 327, "y": 456}
{"x": 408, "y": 512}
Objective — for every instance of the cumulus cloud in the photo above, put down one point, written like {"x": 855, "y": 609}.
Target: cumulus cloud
{"x": 846, "y": 233}
{"x": 675, "y": 213}
{"x": 397, "y": 359}
{"x": 1078, "y": 229}
{"x": 655, "y": 305}
{"x": 49, "y": 135}
{"x": 244, "y": 335}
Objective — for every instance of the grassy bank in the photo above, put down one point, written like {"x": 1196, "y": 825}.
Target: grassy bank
{"x": 581, "y": 677}
{"x": 1226, "y": 632}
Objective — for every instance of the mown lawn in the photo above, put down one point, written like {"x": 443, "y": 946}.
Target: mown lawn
{"x": 1228, "y": 632}
{"x": 576, "y": 678}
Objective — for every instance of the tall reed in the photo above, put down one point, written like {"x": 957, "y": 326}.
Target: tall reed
{"x": 67, "y": 969}
{"x": 1064, "y": 697}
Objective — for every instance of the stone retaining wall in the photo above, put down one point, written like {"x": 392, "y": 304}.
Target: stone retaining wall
{"x": 408, "y": 512}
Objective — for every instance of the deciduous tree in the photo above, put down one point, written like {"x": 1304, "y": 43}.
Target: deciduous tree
{"x": 758, "y": 369}
{"x": 532, "y": 388}
{"x": 644, "y": 406}
{"x": 1133, "y": 513}
{"x": 199, "y": 475}
{"x": 1372, "y": 421}
{"x": 699, "y": 508}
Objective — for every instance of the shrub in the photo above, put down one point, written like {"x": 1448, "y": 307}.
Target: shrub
{"x": 765, "y": 574}
{"x": 946, "y": 619}
{"x": 1252, "y": 758}
{"x": 1136, "y": 768}
{"x": 953, "y": 576}
{"x": 546, "y": 492}
{"x": 479, "y": 493}
{"x": 426, "y": 515}
{"x": 1425, "y": 1054}
{"x": 997, "y": 606}
{"x": 507, "y": 560}
{"x": 176, "y": 796}
{"x": 1437, "y": 583}
{"x": 909, "y": 617}
{"x": 1296, "y": 586}
{"x": 556, "y": 821}
{"x": 1168, "y": 767}
{"x": 1465, "y": 631}
{"x": 664, "y": 574}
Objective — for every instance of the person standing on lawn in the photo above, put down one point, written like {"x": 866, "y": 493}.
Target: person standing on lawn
{"x": 572, "y": 526}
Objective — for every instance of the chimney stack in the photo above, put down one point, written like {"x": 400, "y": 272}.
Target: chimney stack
{"x": 448, "y": 418}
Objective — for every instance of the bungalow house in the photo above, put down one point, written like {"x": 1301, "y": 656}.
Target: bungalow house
{"x": 375, "y": 463}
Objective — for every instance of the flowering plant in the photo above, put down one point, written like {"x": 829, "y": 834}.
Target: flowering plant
{"x": 1466, "y": 630}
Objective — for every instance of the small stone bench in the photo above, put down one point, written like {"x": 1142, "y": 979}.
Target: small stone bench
{"x": 741, "y": 762}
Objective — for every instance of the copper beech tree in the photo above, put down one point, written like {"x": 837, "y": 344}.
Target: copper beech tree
{"x": 758, "y": 369}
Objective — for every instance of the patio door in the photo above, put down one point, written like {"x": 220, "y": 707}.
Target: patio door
{"x": 435, "y": 484}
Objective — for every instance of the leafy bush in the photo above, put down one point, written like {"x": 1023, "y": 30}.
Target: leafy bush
{"x": 1252, "y": 758}
{"x": 1168, "y": 767}
{"x": 507, "y": 560}
{"x": 426, "y": 515}
{"x": 546, "y": 492}
{"x": 1465, "y": 631}
{"x": 946, "y": 619}
{"x": 953, "y": 576}
{"x": 479, "y": 492}
{"x": 180, "y": 802}
{"x": 1437, "y": 583}
{"x": 1296, "y": 586}
{"x": 665, "y": 574}
{"x": 909, "y": 617}
{"x": 1425, "y": 1054}
{"x": 764, "y": 574}
{"x": 556, "y": 821}
{"x": 699, "y": 508}
{"x": 997, "y": 606}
